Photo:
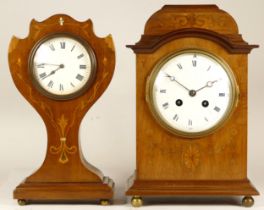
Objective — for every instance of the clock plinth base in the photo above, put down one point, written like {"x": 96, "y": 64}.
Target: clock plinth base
{"x": 196, "y": 187}
{"x": 61, "y": 192}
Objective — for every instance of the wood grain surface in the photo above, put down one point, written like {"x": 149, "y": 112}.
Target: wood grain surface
{"x": 64, "y": 164}
{"x": 171, "y": 165}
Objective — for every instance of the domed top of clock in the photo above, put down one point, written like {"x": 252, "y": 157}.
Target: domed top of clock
{"x": 175, "y": 17}
{"x": 201, "y": 21}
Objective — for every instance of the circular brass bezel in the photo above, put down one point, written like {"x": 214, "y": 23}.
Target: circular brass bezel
{"x": 162, "y": 121}
{"x": 79, "y": 92}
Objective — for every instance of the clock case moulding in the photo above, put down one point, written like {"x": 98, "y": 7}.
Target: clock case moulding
{"x": 65, "y": 175}
{"x": 167, "y": 164}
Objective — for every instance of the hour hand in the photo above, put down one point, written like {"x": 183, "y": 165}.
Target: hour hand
{"x": 208, "y": 84}
{"x": 61, "y": 66}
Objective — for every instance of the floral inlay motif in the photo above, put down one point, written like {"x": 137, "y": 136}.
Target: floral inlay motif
{"x": 191, "y": 157}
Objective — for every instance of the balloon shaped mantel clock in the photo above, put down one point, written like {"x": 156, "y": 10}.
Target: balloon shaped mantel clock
{"x": 191, "y": 105}
{"x": 61, "y": 69}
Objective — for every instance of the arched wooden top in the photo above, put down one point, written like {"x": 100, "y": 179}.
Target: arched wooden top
{"x": 175, "y": 17}
{"x": 202, "y": 21}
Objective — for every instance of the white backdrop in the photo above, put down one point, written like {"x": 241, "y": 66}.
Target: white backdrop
{"x": 108, "y": 130}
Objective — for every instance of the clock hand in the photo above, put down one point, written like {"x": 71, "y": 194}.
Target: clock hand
{"x": 61, "y": 66}
{"x": 172, "y": 78}
{"x": 48, "y": 64}
{"x": 208, "y": 84}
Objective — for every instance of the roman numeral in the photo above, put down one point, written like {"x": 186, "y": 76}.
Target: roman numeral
{"x": 165, "y": 105}
{"x": 40, "y": 65}
{"x": 221, "y": 94}
{"x": 51, "y": 46}
{"x": 42, "y": 75}
{"x": 80, "y": 56}
{"x": 72, "y": 84}
{"x": 179, "y": 66}
{"x": 217, "y": 109}
{"x": 205, "y": 118}
{"x": 62, "y": 44}
{"x": 175, "y": 117}
{"x": 72, "y": 48}
{"x": 194, "y": 63}
{"x": 50, "y": 84}
{"x": 209, "y": 68}
{"x": 82, "y": 66}
{"x": 79, "y": 77}
{"x": 190, "y": 122}
{"x": 163, "y": 91}
{"x": 61, "y": 87}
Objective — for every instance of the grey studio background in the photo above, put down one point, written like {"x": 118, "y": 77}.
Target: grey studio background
{"x": 108, "y": 130}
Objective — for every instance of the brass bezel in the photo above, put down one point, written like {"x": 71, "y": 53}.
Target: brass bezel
{"x": 66, "y": 96}
{"x": 152, "y": 106}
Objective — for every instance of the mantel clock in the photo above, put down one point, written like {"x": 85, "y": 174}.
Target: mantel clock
{"x": 61, "y": 69}
{"x": 191, "y": 102}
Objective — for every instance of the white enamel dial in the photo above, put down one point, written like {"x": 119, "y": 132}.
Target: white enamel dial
{"x": 192, "y": 93}
{"x": 62, "y": 66}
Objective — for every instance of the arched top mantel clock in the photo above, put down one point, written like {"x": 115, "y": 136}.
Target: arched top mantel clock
{"x": 191, "y": 105}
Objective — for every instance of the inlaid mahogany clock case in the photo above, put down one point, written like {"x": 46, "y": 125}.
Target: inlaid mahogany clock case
{"x": 65, "y": 175}
{"x": 167, "y": 164}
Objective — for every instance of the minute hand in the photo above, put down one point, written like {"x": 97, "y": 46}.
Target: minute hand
{"x": 208, "y": 84}
{"x": 172, "y": 78}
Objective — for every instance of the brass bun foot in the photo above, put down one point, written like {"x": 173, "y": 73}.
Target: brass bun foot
{"x": 136, "y": 201}
{"x": 247, "y": 201}
{"x": 104, "y": 202}
{"x": 21, "y": 202}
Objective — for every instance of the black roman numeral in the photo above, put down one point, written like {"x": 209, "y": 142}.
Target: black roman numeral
{"x": 80, "y": 56}
{"x": 51, "y": 46}
{"x": 79, "y": 77}
{"x": 190, "y": 122}
{"x": 63, "y": 45}
{"x": 194, "y": 63}
{"x": 221, "y": 94}
{"x": 40, "y": 65}
{"x": 165, "y": 105}
{"x": 50, "y": 84}
{"x": 42, "y": 75}
{"x": 217, "y": 109}
{"x": 61, "y": 87}
{"x": 176, "y": 117}
{"x": 163, "y": 91}
{"x": 72, "y": 48}
{"x": 179, "y": 66}
{"x": 82, "y": 66}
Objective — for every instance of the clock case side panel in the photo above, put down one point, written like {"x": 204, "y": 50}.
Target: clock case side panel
{"x": 162, "y": 158}
{"x": 64, "y": 165}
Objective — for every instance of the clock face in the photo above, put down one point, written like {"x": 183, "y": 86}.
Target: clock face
{"x": 62, "y": 67}
{"x": 192, "y": 93}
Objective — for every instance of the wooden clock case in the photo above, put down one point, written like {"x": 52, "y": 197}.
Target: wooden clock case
{"x": 65, "y": 175}
{"x": 167, "y": 164}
